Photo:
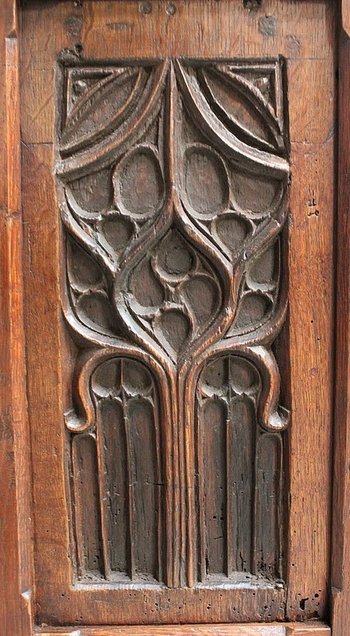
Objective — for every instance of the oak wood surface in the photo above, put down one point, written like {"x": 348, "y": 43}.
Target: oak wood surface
{"x": 291, "y": 629}
{"x": 15, "y": 500}
{"x": 341, "y": 493}
{"x": 311, "y": 196}
{"x": 115, "y": 30}
{"x": 345, "y": 16}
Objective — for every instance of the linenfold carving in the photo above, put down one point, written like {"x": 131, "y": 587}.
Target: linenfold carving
{"x": 172, "y": 181}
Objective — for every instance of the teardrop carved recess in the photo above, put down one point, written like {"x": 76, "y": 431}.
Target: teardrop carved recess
{"x": 172, "y": 181}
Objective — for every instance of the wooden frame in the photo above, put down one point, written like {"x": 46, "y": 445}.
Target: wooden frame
{"x": 15, "y": 544}
{"x": 16, "y": 609}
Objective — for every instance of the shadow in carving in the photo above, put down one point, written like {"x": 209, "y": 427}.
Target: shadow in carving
{"x": 172, "y": 181}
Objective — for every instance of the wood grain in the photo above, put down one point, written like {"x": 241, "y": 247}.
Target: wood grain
{"x": 114, "y": 30}
{"x": 15, "y": 501}
{"x": 345, "y": 16}
{"x": 188, "y": 231}
{"x": 312, "y": 629}
{"x": 341, "y": 491}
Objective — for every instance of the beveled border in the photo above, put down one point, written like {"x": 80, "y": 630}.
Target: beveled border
{"x": 273, "y": 629}
{"x": 15, "y": 502}
{"x": 340, "y": 556}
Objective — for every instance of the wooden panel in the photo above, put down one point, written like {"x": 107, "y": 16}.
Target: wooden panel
{"x": 309, "y": 60}
{"x": 173, "y": 179}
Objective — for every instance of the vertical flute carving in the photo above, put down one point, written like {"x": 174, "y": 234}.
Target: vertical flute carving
{"x": 172, "y": 180}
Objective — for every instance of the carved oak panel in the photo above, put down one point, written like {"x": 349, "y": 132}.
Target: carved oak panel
{"x": 172, "y": 179}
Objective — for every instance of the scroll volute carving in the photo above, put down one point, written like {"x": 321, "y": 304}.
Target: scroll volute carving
{"x": 172, "y": 179}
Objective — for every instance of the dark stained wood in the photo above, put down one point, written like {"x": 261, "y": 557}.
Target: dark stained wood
{"x": 197, "y": 259}
{"x": 341, "y": 484}
{"x": 15, "y": 499}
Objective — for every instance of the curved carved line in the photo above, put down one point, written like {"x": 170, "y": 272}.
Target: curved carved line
{"x": 255, "y": 160}
{"x": 271, "y": 417}
{"x": 266, "y": 332}
{"x": 84, "y": 420}
{"x": 84, "y": 236}
{"x": 107, "y": 84}
{"x": 266, "y": 232}
{"x": 109, "y": 149}
{"x": 230, "y": 280}
{"x": 233, "y": 124}
{"x": 83, "y": 335}
{"x": 120, "y": 296}
{"x": 255, "y": 97}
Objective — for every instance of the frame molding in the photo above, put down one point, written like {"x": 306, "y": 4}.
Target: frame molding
{"x": 340, "y": 558}
{"x": 15, "y": 502}
{"x": 274, "y": 629}
{"x": 16, "y": 608}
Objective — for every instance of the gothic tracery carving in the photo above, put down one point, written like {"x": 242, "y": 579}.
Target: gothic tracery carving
{"x": 172, "y": 179}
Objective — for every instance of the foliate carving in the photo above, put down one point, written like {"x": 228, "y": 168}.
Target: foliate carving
{"x": 172, "y": 179}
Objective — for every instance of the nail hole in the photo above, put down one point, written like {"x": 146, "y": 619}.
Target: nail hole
{"x": 171, "y": 8}
{"x": 145, "y": 8}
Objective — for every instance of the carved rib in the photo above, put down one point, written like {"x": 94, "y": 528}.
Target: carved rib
{"x": 236, "y": 126}
{"x": 81, "y": 231}
{"x": 255, "y": 98}
{"x": 254, "y": 160}
{"x": 88, "y": 102}
{"x": 109, "y": 149}
{"x": 221, "y": 272}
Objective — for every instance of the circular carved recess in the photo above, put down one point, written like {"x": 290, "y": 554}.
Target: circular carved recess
{"x": 174, "y": 257}
{"x": 205, "y": 181}
{"x": 82, "y": 271}
{"x": 144, "y": 286}
{"x": 258, "y": 195}
{"x": 175, "y": 327}
{"x": 106, "y": 380}
{"x": 93, "y": 192}
{"x": 118, "y": 232}
{"x": 232, "y": 231}
{"x": 264, "y": 271}
{"x": 244, "y": 376}
{"x": 252, "y": 309}
{"x": 213, "y": 377}
{"x": 138, "y": 183}
{"x": 137, "y": 380}
{"x": 94, "y": 311}
{"x": 202, "y": 295}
